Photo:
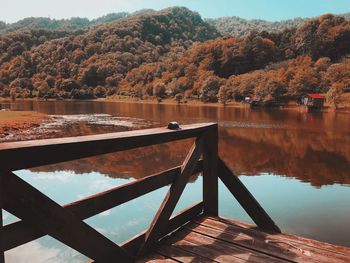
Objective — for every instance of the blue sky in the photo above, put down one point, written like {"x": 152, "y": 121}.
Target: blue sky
{"x": 13, "y": 10}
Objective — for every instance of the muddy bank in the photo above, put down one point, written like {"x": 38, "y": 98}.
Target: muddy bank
{"x": 29, "y": 125}
{"x": 14, "y": 125}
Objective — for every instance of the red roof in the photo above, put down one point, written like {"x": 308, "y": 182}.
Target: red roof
{"x": 252, "y": 95}
{"x": 316, "y": 96}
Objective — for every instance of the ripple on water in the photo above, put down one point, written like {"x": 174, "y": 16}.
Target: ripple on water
{"x": 238, "y": 124}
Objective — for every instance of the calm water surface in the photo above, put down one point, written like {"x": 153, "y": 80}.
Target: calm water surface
{"x": 296, "y": 164}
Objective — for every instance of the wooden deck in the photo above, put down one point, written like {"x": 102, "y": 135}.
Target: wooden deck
{"x": 201, "y": 235}
{"x": 215, "y": 239}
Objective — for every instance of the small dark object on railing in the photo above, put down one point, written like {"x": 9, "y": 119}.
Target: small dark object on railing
{"x": 173, "y": 126}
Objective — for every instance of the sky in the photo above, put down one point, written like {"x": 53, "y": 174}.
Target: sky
{"x": 273, "y": 10}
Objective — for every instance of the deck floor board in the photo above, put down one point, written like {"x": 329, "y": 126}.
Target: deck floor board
{"x": 209, "y": 239}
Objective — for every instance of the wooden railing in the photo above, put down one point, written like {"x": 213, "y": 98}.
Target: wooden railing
{"x": 42, "y": 216}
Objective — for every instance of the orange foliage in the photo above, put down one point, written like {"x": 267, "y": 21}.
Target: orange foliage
{"x": 172, "y": 52}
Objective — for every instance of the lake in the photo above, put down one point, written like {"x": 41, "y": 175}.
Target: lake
{"x": 296, "y": 164}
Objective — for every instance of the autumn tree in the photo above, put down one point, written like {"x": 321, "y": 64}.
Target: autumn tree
{"x": 334, "y": 94}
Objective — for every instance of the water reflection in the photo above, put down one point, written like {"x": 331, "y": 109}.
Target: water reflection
{"x": 118, "y": 224}
{"x": 313, "y": 147}
{"x": 296, "y": 164}
{"x": 136, "y": 163}
{"x": 297, "y": 207}
{"x": 297, "y": 211}
{"x": 316, "y": 157}
{"x": 35, "y": 251}
{"x": 311, "y": 157}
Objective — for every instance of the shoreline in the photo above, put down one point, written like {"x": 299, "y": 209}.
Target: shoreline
{"x": 193, "y": 103}
{"x": 18, "y": 123}
{"x": 230, "y": 104}
{"x": 23, "y": 125}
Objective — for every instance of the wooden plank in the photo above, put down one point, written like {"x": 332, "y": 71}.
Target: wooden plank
{"x": 27, "y": 203}
{"x": 134, "y": 244}
{"x": 246, "y": 199}
{"x": 180, "y": 255}
{"x": 103, "y": 201}
{"x": 247, "y": 241}
{"x": 2, "y": 241}
{"x": 212, "y": 253}
{"x": 185, "y": 247}
{"x": 210, "y": 173}
{"x": 155, "y": 258}
{"x": 160, "y": 221}
{"x": 19, "y": 233}
{"x": 302, "y": 240}
{"x": 266, "y": 243}
{"x": 28, "y": 154}
{"x": 224, "y": 251}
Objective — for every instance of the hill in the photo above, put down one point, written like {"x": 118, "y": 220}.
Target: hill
{"x": 275, "y": 66}
{"x": 175, "y": 53}
{"x": 91, "y": 63}
{"x": 227, "y": 26}
{"x": 71, "y": 24}
{"x": 75, "y": 23}
{"x": 236, "y": 26}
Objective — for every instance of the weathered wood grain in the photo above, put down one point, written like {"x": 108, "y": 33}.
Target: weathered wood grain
{"x": 155, "y": 258}
{"x": 210, "y": 173}
{"x": 316, "y": 247}
{"x": 223, "y": 251}
{"x": 249, "y": 241}
{"x": 180, "y": 255}
{"x": 216, "y": 239}
{"x": 202, "y": 251}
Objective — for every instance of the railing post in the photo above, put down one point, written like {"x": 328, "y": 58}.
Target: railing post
{"x": 210, "y": 172}
{"x": 2, "y": 256}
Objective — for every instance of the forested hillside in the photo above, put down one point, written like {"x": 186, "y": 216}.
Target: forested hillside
{"x": 174, "y": 53}
{"x": 236, "y": 26}
{"x": 91, "y": 64}
{"x": 75, "y": 23}
{"x": 275, "y": 66}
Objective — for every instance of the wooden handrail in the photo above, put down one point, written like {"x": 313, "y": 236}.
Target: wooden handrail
{"x": 66, "y": 224}
{"x": 159, "y": 223}
{"x": 19, "y": 233}
{"x": 246, "y": 199}
{"x": 42, "y": 213}
{"x": 28, "y": 154}
{"x": 133, "y": 244}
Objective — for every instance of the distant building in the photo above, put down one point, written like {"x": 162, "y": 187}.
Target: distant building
{"x": 252, "y": 99}
{"x": 313, "y": 100}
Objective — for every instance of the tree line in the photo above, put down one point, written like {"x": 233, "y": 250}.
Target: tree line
{"x": 174, "y": 53}
{"x": 274, "y": 66}
{"x": 85, "y": 65}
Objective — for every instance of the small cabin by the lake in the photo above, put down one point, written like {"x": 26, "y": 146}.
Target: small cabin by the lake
{"x": 252, "y": 99}
{"x": 313, "y": 100}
